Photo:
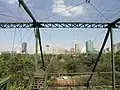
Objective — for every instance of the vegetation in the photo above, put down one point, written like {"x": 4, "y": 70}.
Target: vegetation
{"x": 21, "y": 67}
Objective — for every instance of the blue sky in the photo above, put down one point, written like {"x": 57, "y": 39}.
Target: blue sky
{"x": 44, "y": 9}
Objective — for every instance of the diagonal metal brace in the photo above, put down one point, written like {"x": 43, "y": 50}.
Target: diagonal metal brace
{"x": 21, "y": 2}
{"x": 98, "y": 58}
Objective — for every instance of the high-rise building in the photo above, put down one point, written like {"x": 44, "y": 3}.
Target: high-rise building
{"x": 48, "y": 49}
{"x": 72, "y": 50}
{"x": 116, "y": 47}
{"x": 89, "y": 46}
{"x": 83, "y": 50}
{"x": 24, "y": 47}
{"x": 51, "y": 49}
{"x": 77, "y": 48}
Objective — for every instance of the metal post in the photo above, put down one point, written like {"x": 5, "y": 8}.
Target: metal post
{"x": 45, "y": 82}
{"x": 40, "y": 45}
{"x": 36, "y": 51}
{"x": 98, "y": 58}
{"x": 112, "y": 57}
{"x": 46, "y": 75}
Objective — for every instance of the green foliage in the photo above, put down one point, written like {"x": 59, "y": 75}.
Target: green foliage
{"x": 18, "y": 67}
{"x": 16, "y": 87}
{"x": 21, "y": 67}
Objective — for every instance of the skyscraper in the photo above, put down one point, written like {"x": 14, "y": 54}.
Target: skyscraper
{"x": 116, "y": 47}
{"x": 72, "y": 50}
{"x": 89, "y": 46}
{"x": 77, "y": 48}
{"x": 47, "y": 47}
{"x": 24, "y": 47}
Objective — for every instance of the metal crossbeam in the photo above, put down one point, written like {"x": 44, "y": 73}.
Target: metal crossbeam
{"x": 96, "y": 85}
{"x": 55, "y": 25}
{"x": 85, "y": 73}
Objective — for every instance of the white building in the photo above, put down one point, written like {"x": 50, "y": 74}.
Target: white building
{"x": 116, "y": 47}
{"x": 54, "y": 49}
{"x": 83, "y": 50}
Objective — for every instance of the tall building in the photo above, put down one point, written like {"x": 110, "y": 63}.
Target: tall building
{"x": 72, "y": 50}
{"x": 89, "y": 46}
{"x": 48, "y": 49}
{"x": 77, "y": 48}
{"x": 51, "y": 49}
{"x": 83, "y": 50}
{"x": 24, "y": 47}
{"x": 116, "y": 47}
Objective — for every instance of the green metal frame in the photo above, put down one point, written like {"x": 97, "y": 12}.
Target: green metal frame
{"x": 112, "y": 57}
{"x": 56, "y": 25}
{"x": 36, "y": 50}
{"x": 38, "y": 25}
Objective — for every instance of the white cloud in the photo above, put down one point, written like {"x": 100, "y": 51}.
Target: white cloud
{"x": 71, "y": 11}
{"x": 11, "y": 1}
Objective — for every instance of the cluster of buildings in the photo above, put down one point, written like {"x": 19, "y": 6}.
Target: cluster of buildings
{"x": 116, "y": 48}
{"x": 76, "y": 49}
{"x": 22, "y": 49}
{"x": 51, "y": 49}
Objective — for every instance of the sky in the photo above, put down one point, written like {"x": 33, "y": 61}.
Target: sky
{"x": 57, "y": 10}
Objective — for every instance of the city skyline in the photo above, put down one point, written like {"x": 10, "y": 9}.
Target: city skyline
{"x": 18, "y": 48}
{"x": 54, "y": 48}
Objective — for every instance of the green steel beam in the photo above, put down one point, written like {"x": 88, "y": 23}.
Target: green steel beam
{"x": 55, "y": 25}
{"x": 85, "y": 73}
{"x": 40, "y": 45}
{"x": 21, "y": 2}
{"x": 98, "y": 58}
{"x": 112, "y": 57}
{"x": 110, "y": 26}
{"x": 116, "y": 21}
{"x": 37, "y": 34}
{"x": 36, "y": 50}
{"x": 97, "y": 85}
{"x": 45, "y": 82}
